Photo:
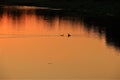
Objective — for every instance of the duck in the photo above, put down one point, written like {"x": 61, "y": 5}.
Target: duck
{"x": 69, "y": 35}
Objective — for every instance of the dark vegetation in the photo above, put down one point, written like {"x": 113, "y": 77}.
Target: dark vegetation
{"x": 87, "y": 7}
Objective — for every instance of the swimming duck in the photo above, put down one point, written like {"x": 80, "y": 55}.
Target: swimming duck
{"x": 69, "y": 35}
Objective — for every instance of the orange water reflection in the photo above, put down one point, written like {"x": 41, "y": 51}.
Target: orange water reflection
{"x": 23, "y": 55}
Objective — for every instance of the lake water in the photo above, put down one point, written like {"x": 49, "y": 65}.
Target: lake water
{"x": 34, "y": 45}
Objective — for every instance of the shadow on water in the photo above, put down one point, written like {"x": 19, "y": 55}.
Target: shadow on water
{"x": 105, "y": 25}
{"x": 101, "y": 25}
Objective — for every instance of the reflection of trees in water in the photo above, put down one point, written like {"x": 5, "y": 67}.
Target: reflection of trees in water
{"x": 109, "y": 26}
{"x": 14, "y": 14}
{"x": 1, "y": 13}
{"x": 11, "y": 13}
{"x": 102, "y": 25}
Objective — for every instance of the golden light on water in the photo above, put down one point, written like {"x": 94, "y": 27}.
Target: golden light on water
{"x": 23, "y": 55}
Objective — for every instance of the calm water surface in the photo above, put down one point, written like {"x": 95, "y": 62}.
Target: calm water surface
{"x": 32, "y": 47}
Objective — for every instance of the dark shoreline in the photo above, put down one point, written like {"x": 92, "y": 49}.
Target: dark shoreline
{"x": 87, "y": 8}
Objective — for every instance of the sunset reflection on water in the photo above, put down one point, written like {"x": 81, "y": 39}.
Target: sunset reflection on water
{"x": 31, "y": 47}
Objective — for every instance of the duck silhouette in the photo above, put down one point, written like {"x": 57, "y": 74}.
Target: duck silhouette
{"x": 69, "y": 35}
